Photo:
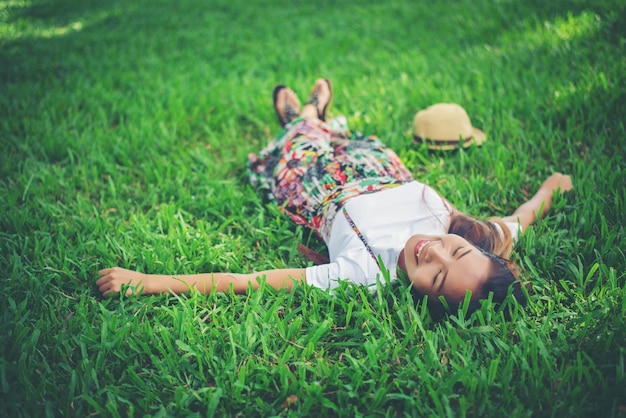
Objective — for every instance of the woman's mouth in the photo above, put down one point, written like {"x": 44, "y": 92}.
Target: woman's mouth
{"x": 419, "y": 248}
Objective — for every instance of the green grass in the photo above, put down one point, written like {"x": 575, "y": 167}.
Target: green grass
{"x": 124, "y": 129}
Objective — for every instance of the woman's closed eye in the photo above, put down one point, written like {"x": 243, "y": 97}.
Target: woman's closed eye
{"x": 435, "y": 277}
{"x": 463, "y": 254}
{"x": 441, "y": 276}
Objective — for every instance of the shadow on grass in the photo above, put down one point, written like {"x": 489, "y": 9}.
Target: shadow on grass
{"x": 68, "y": 47}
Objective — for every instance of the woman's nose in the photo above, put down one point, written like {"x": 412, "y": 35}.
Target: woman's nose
{"x": 437, "y": 253}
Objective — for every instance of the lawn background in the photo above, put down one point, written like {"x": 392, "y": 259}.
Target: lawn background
{"x": 124, "y": 130}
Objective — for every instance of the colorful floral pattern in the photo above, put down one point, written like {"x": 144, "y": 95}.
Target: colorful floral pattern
{"x": 310, "y": 170}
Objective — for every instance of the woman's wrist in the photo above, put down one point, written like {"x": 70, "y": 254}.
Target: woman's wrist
{"x": 147, "y": 282}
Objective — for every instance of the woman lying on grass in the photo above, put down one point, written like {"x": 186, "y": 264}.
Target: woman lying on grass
{"x": 356, "y": 195}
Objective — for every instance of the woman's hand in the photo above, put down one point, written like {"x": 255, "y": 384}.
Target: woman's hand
{"x": 540, "y": 203}
{"x": 557, "y": 181}
{"x": 114, "y": 278}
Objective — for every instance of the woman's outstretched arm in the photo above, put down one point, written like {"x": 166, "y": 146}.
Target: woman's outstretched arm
{"x": 112, "y": 280}
{"x": 540, "y": 203}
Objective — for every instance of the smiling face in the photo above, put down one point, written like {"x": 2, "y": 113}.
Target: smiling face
{"x": 445, "y": 265}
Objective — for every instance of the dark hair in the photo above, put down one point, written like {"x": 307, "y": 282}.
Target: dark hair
{"x": 502, "y": 277}
{"x": 492, "y": 236}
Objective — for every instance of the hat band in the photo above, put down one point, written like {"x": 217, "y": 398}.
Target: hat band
{"x": 440, "y": 142}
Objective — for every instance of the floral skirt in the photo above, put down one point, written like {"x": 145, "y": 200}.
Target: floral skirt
{"x": 312, "y": 168}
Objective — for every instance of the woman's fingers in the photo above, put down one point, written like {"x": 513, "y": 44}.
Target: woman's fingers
{"x": 112, "y": 280}
{"x": 559, "y": 181}
{"x": 565, "y": 183}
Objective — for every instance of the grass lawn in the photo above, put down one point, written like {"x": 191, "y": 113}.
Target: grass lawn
{"x": 124, "y": 131}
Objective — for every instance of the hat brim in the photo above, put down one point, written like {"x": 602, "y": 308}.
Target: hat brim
{"x": 477, "y": 138}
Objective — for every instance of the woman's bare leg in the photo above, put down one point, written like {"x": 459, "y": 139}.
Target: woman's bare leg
{"x": 309, "y": 111}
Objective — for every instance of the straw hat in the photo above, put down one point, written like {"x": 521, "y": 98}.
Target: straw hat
{"x": 446, "y": 126}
